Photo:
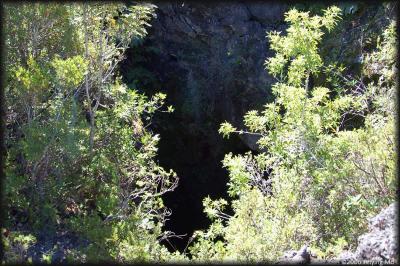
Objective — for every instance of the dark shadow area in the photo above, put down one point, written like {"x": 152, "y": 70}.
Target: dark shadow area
{"x": 198, "y": 164}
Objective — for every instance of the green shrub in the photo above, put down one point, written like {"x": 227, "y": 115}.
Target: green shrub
{"x": 315, "y": 182}
{"x": 80, "y": 156}
{"x": 16, "y": 246}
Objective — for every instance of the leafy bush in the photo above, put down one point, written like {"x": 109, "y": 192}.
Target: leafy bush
{"x": 316, "y": 181}
{"x": 16, "y": 246}
{"x": 80, "y": 154}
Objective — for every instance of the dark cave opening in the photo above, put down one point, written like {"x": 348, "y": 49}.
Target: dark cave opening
{"x": 190, "y": 146}
{"x": 197, "y": 161}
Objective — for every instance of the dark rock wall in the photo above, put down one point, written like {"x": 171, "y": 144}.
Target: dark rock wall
{"x": 209, "y": 58}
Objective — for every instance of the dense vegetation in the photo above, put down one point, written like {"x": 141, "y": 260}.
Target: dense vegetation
{"x": 324, "y": 179}
{"x": 80, "y": 155}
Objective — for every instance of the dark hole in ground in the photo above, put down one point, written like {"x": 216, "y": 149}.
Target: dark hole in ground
{"x": 198, "y": 164}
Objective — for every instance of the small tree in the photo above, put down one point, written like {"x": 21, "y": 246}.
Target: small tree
{"x": 314, "y": 182}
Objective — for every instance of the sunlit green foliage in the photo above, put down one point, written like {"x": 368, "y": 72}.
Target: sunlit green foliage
{"x": 80, "y": 154}
{"x": 298, "y": 50}
{"x": 70, "y": 72}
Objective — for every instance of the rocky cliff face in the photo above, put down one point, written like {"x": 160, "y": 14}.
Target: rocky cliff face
{"x": 209, "y": 58}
